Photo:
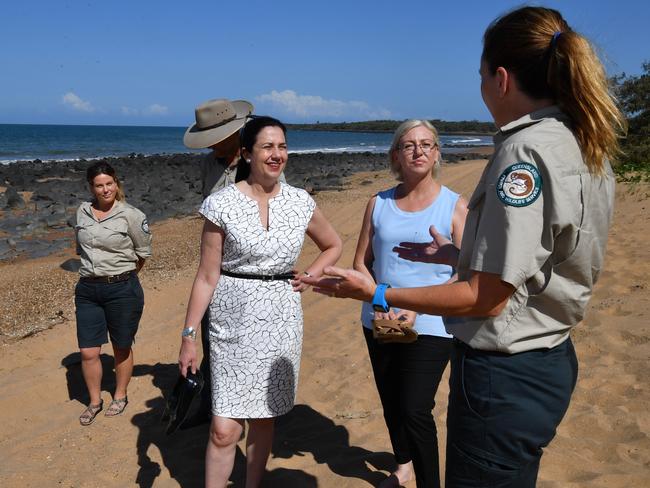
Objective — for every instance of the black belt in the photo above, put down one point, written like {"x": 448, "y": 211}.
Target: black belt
{"x": 108, "y": 279}
{"x": 273, "y": 277}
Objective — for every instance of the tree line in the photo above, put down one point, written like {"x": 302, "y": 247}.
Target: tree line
{"x": 633, "y": 93}
{"x": 443, "y": 126}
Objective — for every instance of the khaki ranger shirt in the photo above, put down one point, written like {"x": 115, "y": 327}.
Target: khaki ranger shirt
{"x": 215, "y": 174}
{"x": 113, "y": 245}
{"x": 539, "y": 220}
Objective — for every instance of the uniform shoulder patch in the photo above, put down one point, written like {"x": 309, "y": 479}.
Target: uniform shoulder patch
{"x": 519, "y": 185}
{"x": 145, "y": 226}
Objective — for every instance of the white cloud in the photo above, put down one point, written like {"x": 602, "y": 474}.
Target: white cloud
{"x": 74, "y": 101}
{"x": 128, "y": 111}
{"x": 311, "y": 106}
{"x": 156, "y": 109}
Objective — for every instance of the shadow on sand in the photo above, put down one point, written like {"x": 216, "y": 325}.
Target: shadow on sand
{"x": 74, "y": 378}
{"x": 301, "y": 431}
{"x": 304, "y": 430}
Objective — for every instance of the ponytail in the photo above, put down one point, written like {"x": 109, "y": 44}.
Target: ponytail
{"x": 578, "y": 81}
{"x": 550, "y": 60}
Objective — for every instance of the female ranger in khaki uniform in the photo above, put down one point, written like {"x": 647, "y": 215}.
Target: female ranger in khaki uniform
{"x": 531, "y": 252}
{"x": 113, "y": 240}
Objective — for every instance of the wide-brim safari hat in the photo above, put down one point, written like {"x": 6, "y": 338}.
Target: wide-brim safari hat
{"x": 215, "y": 121}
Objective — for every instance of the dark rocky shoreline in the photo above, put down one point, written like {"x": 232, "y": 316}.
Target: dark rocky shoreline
{"x": 162, "y": 186}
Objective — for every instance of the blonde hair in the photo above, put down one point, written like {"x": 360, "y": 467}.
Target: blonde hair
{"x": 403, "y": 128}
{"x": 550, "y": 60}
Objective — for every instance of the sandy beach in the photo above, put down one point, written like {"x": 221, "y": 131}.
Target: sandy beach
{"x": 335, "y": 436}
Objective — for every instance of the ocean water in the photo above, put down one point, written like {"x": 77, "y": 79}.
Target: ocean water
{"x": 66, "y": 142}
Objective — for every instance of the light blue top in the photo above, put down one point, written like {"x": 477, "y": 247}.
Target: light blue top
{"x": 392, "y": 226}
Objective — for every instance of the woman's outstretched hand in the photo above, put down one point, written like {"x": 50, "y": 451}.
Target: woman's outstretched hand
{"x": 342, "y": 283}
{"x": 439, "y": 251}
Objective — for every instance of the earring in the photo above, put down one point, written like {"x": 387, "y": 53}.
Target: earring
{"x": 248, "y": 161}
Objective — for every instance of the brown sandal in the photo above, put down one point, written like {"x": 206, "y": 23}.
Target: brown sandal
{"x": 88, "y": 416}
{"x": 116, "y": 407}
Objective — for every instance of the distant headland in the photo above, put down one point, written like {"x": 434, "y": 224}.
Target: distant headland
{"x": 466, "y": 127}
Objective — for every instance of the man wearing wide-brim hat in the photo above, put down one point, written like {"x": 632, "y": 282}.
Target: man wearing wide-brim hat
{"x": 217, "y": 127}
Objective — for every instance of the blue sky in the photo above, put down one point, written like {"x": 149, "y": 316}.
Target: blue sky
{"x": 142, "y": 62}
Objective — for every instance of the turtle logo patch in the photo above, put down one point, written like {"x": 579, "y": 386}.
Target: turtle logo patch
{"x": 145, "y": 226}
{"x": 519, "y": 185}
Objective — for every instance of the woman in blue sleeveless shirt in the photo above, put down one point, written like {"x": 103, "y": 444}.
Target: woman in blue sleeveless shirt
{"x": 407, "y": 375}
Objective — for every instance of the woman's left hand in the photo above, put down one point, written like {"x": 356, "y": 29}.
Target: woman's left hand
{"x": 439, "y": 251}
{"x": 297, "y": 283}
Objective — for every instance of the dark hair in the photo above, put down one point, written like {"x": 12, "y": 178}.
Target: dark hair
{"x": 103, "y": 168}
{"x": 550, "y": 60}
{"x": 248, "y": 137}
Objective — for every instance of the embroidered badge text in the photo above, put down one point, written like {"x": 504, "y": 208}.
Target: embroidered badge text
{"x": 519, "y": 185}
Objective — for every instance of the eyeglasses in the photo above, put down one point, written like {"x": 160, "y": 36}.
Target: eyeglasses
{"x": 426, "y": 147}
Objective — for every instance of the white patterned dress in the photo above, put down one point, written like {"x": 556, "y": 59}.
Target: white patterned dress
{"x": 255, "y": 325}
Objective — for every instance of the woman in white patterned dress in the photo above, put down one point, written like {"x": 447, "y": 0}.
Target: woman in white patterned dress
{"x": 252, "y": 236}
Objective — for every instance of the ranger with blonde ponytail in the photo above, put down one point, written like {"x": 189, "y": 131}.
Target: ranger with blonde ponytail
{"x": 532, "y": 250}
{"x": 536, "y": 229}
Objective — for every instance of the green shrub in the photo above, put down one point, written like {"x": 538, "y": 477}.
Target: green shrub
{"x": 634, "y": 96}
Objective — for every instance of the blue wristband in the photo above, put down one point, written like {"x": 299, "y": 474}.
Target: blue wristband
{"x": 379, "y": 303}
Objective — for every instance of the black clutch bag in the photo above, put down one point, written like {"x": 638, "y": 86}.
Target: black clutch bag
{"x": 179, "y": 402}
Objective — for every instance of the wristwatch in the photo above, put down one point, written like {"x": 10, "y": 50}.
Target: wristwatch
{"x": 189, "y": 332}
{"x": 379, "y": 303}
